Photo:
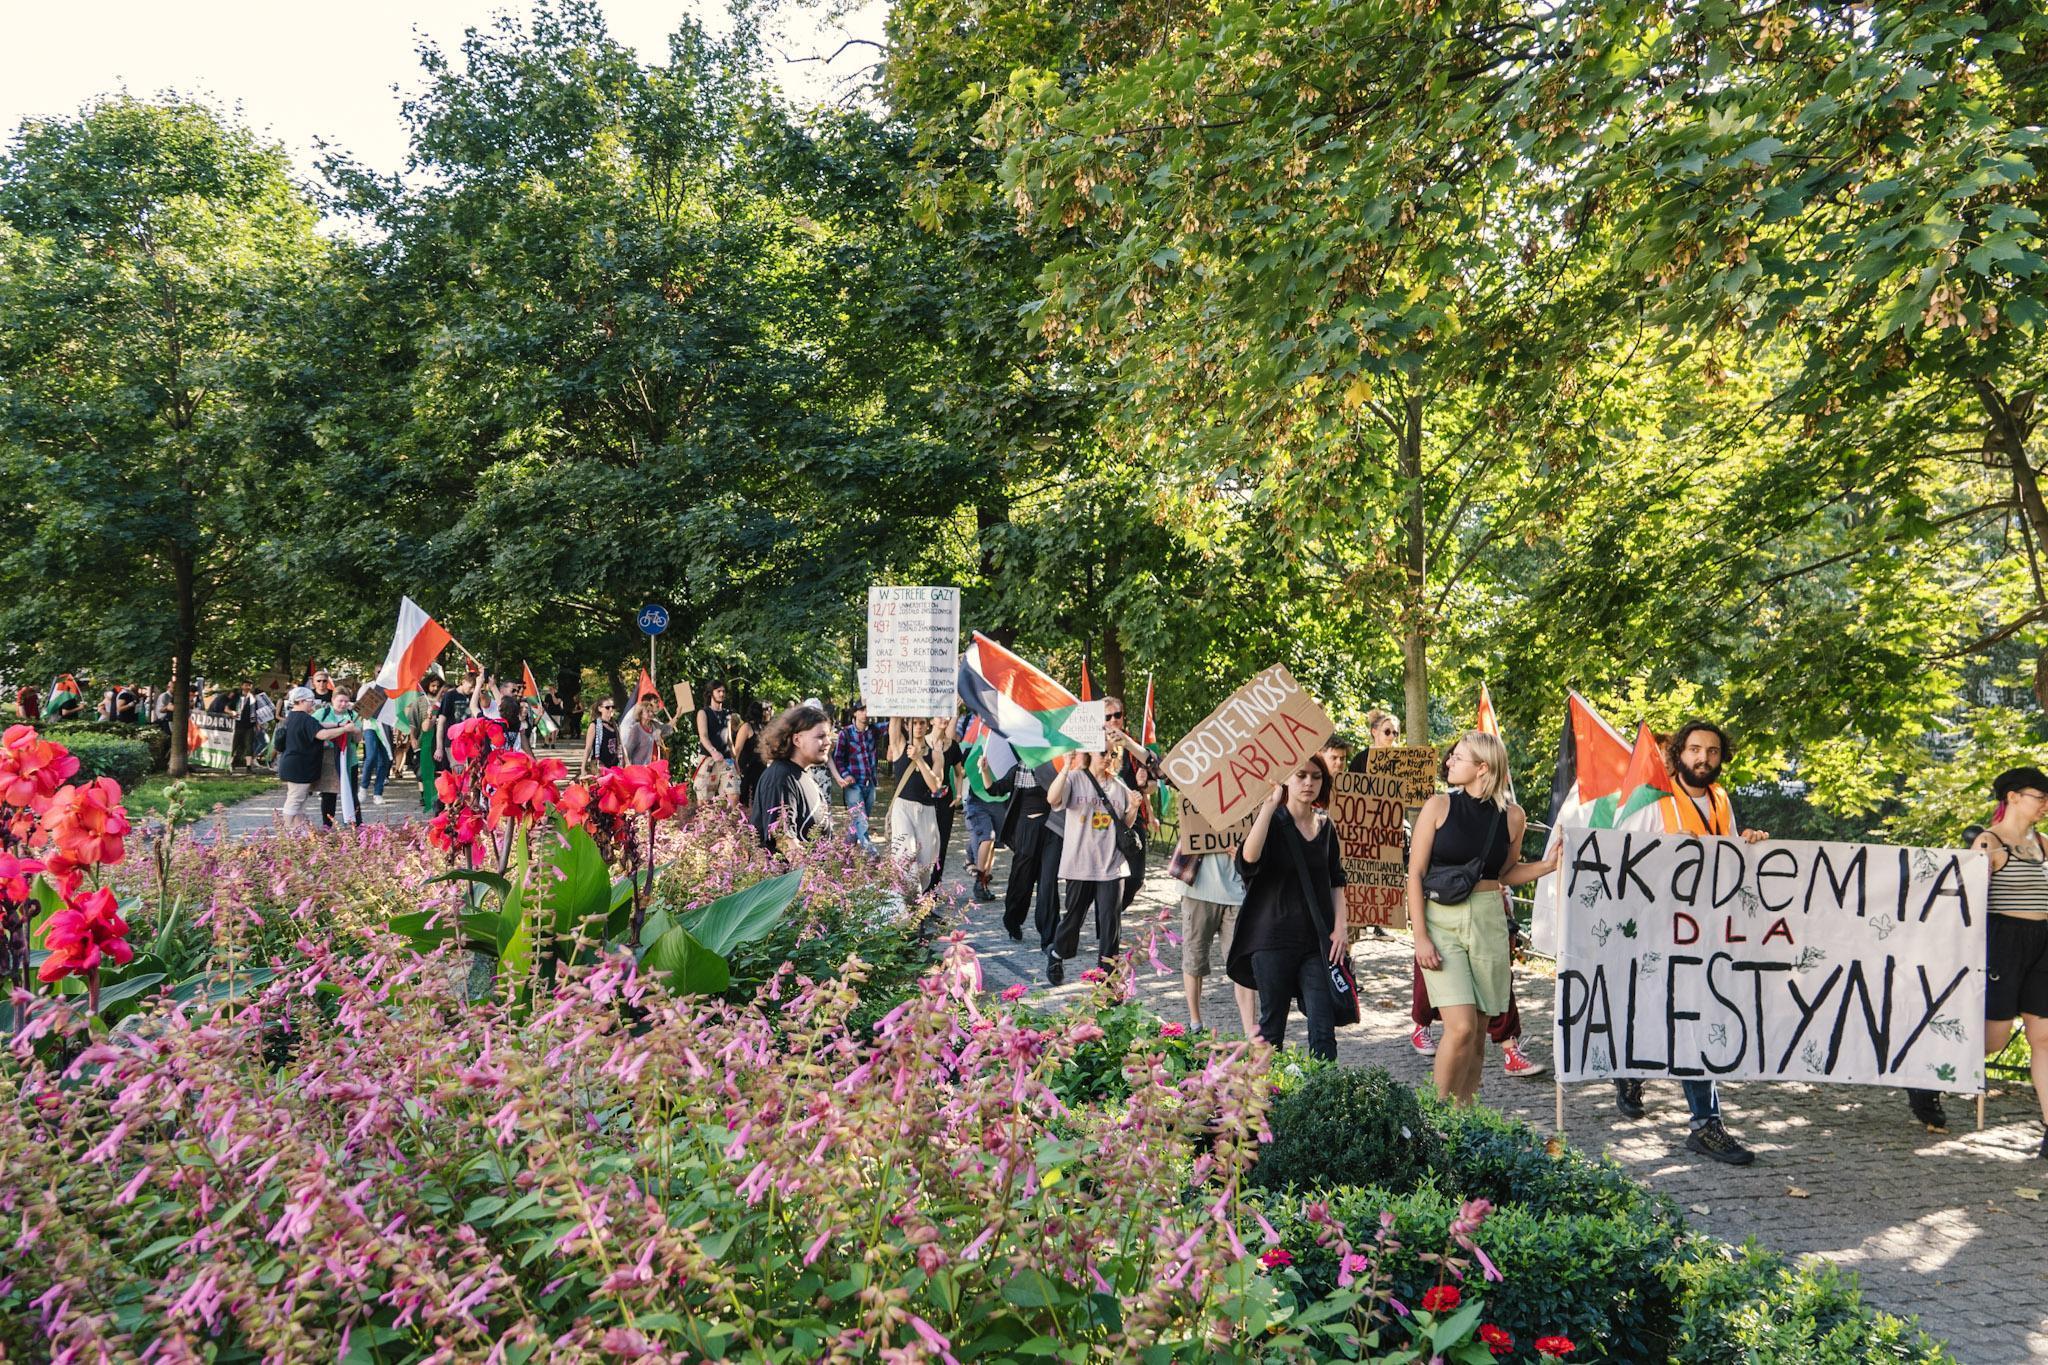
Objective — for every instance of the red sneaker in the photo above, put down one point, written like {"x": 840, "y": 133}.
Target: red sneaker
{"x": 1422, "y": 1041}
{"x": 1515, "y": 1064}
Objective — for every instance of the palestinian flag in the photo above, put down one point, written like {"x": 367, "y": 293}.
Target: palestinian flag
{"x": 543, "y": 723}
{"x": 1591, "y": 763}
{"x": 1487, "y": 722}
{"x": 1644, "y": 784}
{"x": 1024, "y": 706}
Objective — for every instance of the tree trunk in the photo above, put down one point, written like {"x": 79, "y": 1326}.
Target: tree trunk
{"x": 1415, "y": 541}
{"x": 183, "y": 644}
{"x": 1112, "y": 661}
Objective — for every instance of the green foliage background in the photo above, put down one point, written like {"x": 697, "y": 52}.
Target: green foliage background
{"x": 1684, "y": 354}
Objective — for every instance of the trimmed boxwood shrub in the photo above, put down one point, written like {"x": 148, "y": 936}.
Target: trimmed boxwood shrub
{"x": 155, "y": 738}
{"x": 1600, "y": 1279}
{"x": 1750, "y": 1304}
{"x": 1487, "y": 1155}
{"x": 1343, "y": 1126}
{"x": 124, "y": 760}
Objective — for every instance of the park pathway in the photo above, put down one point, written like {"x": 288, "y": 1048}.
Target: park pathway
{"x": 1934, "y": 1225}
{"x": 1939, "y": 1226}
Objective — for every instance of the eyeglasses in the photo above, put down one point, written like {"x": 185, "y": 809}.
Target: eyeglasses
{"x": 1112, "y": 715}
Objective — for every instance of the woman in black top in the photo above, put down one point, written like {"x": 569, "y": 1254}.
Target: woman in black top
{"x": 917, "y": 755}
{"x": 786, "y": 800}
{"x": 1292, "y": 921}
{"x": 301, "y": 747}
{"x": 747, "y": 752}
{"x": 601, "y": 744}
{"x": 1462, "y": 948}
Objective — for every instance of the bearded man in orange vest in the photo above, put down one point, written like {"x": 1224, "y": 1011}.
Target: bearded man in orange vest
{"x": 1695, "y": 754}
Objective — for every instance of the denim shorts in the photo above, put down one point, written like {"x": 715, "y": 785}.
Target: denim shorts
{"x": 981, "y": 821}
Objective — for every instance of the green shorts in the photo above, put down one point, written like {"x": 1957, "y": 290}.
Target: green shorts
{"x": 1472, "y": 939}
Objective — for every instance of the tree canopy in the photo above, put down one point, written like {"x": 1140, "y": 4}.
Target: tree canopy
{"x": 1686, "y": 354}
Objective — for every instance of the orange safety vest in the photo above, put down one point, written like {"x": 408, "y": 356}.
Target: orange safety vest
{"x": 1681, "y": 814}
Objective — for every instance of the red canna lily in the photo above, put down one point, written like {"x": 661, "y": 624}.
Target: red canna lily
{"x": 15, "y": 876}
{"x": 641, "y": 789}
{"x": 448, "y": 786}
{"x": 88, "y": 928}
{"x": 32, "y": 769}
{"x": 575, "y": 804}
{"x": 456, "y": 830}
{"x": 87, "y": 823}
{"x": 522, "y": 786}
{"x": 475, "y": 738}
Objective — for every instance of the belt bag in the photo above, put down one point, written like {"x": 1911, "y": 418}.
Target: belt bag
{"x": 1452, "y": 883}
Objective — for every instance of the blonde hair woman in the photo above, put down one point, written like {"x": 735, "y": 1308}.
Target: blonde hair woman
{"x": 1460, "y": 863}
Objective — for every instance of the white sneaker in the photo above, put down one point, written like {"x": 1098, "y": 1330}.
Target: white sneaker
{"x": 376, "y": 800}
{"x": 1423, "y": 1041}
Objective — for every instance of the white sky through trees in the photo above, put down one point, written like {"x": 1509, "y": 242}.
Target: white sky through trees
{"x": 301, "y": 72}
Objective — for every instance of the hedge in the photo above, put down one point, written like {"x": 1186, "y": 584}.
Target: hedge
{"x": 1751, "y": 1304}
{"x": 127, "y": 761}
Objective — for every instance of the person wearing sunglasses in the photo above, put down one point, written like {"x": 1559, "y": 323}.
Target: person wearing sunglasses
{"x": 1138, "y": 775}
{"x": 601, "y": 742}
{"x": 2016, "y": 930}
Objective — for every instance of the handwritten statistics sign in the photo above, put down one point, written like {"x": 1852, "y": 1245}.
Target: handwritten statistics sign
{"x": 913, "y": 651}
{"x": 1416, "y": 765}
{"x": 1246, "y": 747}
{"x": 1782, "y": 961}
{"x": 1366, "y": 811}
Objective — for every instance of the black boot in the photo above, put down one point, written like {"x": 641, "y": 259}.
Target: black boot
{"x": 1927, "y": 1107}
{"x": 1628, "y": 1098}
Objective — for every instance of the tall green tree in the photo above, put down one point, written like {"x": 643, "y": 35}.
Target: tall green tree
{"x": 148, "y": 254}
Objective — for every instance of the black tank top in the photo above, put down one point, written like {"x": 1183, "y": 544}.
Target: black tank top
{"x": 1464, "y": 826}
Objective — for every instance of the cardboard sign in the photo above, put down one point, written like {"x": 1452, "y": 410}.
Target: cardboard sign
{"x": 913, "y": 651}
{"x": 1246, "y": 747}
{"x": 1366, "y": 811}
{"x": 1088, "y": 726}
{"x": 1198, "y": 836}
{"x": 1687, "y": 957}
{"x": 1416, "y": 765}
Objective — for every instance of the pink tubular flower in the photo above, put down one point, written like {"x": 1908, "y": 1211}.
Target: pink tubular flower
{"x": 1273, "y": 1258}
{"x": 88, "y": 928}
{"x": 32, "y": 769}
{"x": 87, "y": 823}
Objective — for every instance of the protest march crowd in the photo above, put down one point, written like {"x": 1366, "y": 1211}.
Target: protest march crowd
{"x": 1294, "y": 841}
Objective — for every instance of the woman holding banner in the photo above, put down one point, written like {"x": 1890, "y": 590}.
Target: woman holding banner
{"x": 1292, "y": 924}
{"x": 2016, "y": 931}
{"x": 1460, "y": 862}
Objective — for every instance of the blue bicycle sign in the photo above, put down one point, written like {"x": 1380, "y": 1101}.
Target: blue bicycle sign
{"x": 653, "y": 619}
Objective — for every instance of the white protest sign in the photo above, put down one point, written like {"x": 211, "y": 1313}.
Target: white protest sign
{"x": 1247, "y": 746}
{"x": 913, "y": 651}
{"x": 860, "y": 678}
{"x": 1087, "y": 725}
{"x": 1683, "y": 957}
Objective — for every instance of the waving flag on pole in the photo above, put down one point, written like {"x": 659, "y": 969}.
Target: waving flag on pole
{"x": 542, "y": 721}
{"x": 647, "y": 689}
{"x": 1021, "y": 704}
{"x": 1591, "y": 763}
{"x": 1487, "y": 722}
{"x": 1148, "y": 733}
{"x": 1087, "y": 687}
{"x": 1646, "y": 782}
{"x": 415, "y": 644}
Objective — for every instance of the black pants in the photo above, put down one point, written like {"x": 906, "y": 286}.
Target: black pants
{"x": 1135, "y": 882}
{"x": 1285, "y": 974}
{"x": 1106, "y": 899}
{"x": 1029, "y": 838}
{"x": 946, "y": 812}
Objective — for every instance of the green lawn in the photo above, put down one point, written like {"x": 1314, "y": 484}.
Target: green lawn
{"x": 151, "y": 795}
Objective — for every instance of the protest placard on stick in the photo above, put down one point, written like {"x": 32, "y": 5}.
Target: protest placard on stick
{"x": 1247, "y": 746}
{"x": 1416, "y": 765}
{"x": 1686, "y": 957}
{"x": 913, "y": 651}
{"x": 1366, "y": 811}
{"x": 1198, "y": 836}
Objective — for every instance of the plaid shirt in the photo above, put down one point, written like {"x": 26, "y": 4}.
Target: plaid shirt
{"x": 853, "y": 753}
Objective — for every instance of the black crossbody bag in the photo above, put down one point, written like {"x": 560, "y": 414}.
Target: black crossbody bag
{"x": 1343, "y": 978}
{"x": 1452, "y": 883}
